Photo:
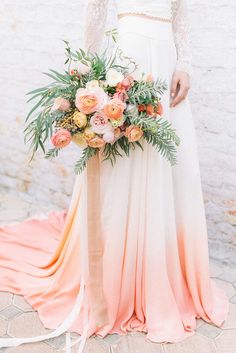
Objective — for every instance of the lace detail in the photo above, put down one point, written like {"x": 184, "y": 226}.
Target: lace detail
{"x": 181, "y": 35}
{"x": 96, "y": 15}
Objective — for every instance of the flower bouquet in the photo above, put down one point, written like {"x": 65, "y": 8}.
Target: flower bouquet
{"x": 99, "y": 105}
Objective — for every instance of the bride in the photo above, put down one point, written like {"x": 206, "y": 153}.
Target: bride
{"x": 131, "y": 252}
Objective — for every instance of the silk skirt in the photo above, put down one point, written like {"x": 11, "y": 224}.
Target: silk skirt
{"x": 132, "y": 245}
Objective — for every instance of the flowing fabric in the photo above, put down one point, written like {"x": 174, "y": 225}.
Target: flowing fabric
{"x": 135, "y": 233}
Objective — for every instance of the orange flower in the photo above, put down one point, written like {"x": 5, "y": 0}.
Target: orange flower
{"x": 114, "y": 109}
{"x": 150, "y": 109}
{"x": 141, "y": 107}
{"x": 133, "y": 133}
{"x": 159, "y": 109}
{"x": 96, "y": 142}
{"x": 61, "y": 138}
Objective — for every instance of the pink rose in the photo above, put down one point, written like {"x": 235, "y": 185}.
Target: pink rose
{"x": 127, "y": 82}
{"x": 109, "y": 136}
{"x": 61, "y": 103}
{"x": 61, "y": 138}
{"x": 82, "y": 68}
{"x": 90, "y": 100}
{"x": 99, "y": 123}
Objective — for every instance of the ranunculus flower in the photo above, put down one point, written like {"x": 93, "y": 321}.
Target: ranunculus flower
{"x": 96, "y": 142}
{"x": 92, "y": 84}
{"x": 127, "y": 82}
{"x": 114, "y": 109}
{"x": 61, "y": 138}
{"x": 113, "y": 77}
{"x": 79, "y": 139}
{"x": 133, "y": 133}
{"x": 159, "y": 109}
{"x": 150, "y": 109}
{"x": 82, "y": 68}
{"x": 61, "y": 104}
{"x": 99, "y": 123}
{"x": 89, "y": 101}
{"x": 109, "y": 136}
{"x": 88, "y": 134}
{"x": 118, "y": 123}
{"x": 80, "y": 119}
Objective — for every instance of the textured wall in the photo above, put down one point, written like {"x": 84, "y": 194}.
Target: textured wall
{"x": 31, "y": 33}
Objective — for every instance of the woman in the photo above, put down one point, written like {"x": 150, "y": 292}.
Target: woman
{"x": 131, "y": 254}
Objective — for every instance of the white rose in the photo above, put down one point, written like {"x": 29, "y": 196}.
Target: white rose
{"x": 82, "y": 68}
{"x": 92, "y": 84}
{"x": 113, "y": 77}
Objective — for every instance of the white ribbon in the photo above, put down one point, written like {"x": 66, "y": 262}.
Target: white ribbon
{"x": 64, "y": 326}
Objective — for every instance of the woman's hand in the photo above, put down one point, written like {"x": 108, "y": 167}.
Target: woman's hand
{"x": 179, "y": 87}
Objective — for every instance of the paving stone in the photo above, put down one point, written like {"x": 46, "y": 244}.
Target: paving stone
{"x": 230, "y": 323}
{"x": 210, "y": 331}
{"x": 228, "y": 287}
{"x": 216, "y": 269}
{"x": 5, "y": 299}
{"x": 10, "y": 312}
{"x": 112, "y": 339}
{"x": 194, "y": 344}
{"x": 226, "y": 343}
{"x": 27, "y": 325}
{"x": 3, "y": 327}
{"x": 200, "y": 322}
{"x": 93, "y": 345}
{"x": 137, "y": 343}
{"x": 32, "y": 348}
{"x": 57, "y": 342}
{"x": 21, "y": 303}
{"x": 229, "y": 275}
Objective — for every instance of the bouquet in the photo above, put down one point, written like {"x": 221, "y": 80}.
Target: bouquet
{"x": 98, "y": 104}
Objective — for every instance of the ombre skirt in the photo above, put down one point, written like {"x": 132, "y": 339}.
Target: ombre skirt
{"x": 131, "y": 252}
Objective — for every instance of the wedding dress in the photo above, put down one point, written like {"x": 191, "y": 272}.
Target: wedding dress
{"x": 131, "y": 252}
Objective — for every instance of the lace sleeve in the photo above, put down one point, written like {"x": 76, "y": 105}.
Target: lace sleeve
{"x": 95, "y": 21}
{"x": 181, "y": 35}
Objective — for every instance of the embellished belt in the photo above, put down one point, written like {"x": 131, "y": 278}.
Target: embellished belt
{"x": 142, "y": 15}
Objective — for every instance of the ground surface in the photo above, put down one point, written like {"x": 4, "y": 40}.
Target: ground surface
{"x": 18, "y": 319}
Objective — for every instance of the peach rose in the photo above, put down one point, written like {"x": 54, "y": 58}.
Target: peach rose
{"x": 88, "y": 134}
{"x": 96, "y": 142}
{"x": 61, "y": 104}
{"x": 88, "y": 101}
{"x": 133, "y": 133}
{"x": 114, "y": 109}
{"x": 61, "y": 138}
{"x": 80, "y": 119}
{"x": 99, "y": 123}
{"x": 149, "y": 78}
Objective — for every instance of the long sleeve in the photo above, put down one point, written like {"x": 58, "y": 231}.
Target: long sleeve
{"x": 181, "y": 35}
{"x": 95, "y": 21}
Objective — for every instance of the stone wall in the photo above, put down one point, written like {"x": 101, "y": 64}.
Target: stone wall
{"x": 31, "y": 33}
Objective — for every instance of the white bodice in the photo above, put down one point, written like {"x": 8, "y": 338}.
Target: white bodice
{"x": 175, "y": 10}
{"x": 159, "y": 8}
